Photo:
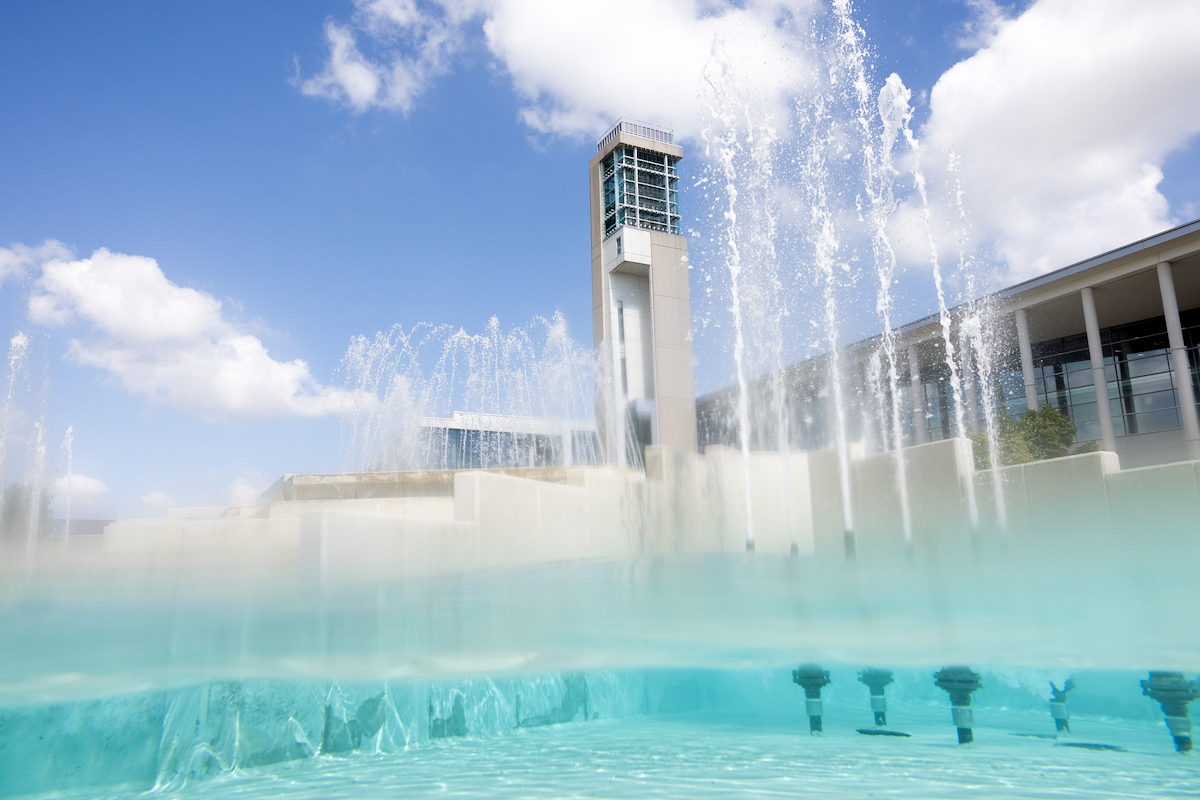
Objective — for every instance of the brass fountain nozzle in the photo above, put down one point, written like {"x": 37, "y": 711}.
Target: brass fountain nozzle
{"x": 960, "y": 682}
{"x": 876, "y": 680}
{"x": 812, "y": 679}
{"x": 1173, "y": 692}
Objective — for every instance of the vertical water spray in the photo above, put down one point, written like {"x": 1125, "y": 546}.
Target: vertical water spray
{"x": 847, "y": 66}
{"x": 825, "y": 248}
{"x": 610, "y": 420}
{"x": 879, "y": 392}
{"x": 952, "y": 364}
{"x": 36, "y": 484}
{"x": 967, "y": 369}
{"x": 410, "y": 383}
{"x": 727, "y": 149}
{"x": 386, "y": 377}
{"x": 18, "y": 348}
{"x": 974, "y": 325}
{"x": 772, "y": 306}
{"x": 894, "y": 112}
{"x": 68, "y": 445}
{"x": 783, "y": 423}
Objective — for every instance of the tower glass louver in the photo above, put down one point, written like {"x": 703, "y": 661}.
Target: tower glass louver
{"x": 641, "y": 189}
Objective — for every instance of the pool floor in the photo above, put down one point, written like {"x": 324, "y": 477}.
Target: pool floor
{"x": 707, "y": 756}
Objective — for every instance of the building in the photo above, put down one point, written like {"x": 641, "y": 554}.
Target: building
{"x": 1128, "y": 320}
{"x": 641, "y": 308}
{"x": 500, "y": 441}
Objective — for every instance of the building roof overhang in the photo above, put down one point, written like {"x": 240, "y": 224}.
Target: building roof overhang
{"x": 1180, "y": 244}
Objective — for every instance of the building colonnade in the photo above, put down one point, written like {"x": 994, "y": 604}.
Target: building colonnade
{"x": 1112, "y": 341}
{"x": 1180, "y": 367}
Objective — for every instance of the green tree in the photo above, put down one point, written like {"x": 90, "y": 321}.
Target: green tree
{"x": 1010, "y": 442}
{"x": 1035, "y": 435}
{"x": 1048, "y": 431}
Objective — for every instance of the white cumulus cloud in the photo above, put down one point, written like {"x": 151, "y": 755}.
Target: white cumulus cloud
{"x": 1064, "y": 120}
{"x": 414, "y": 45}
{"x": 18, "y": 260}
{"x": 90, "y": 497}
{"x": 577, "y": 65}
{"x": 248, "y": 486}
{"x": 170, "y": 344}
{"x": 157, "y": 502}
{"x": 581, "y": 65}
{"x": 1064, "y": 115}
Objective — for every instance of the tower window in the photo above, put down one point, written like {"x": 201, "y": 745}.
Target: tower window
{"x": 641, "y": 189}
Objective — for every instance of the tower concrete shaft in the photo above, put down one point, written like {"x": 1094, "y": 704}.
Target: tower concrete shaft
{"x": 646, "y": 391}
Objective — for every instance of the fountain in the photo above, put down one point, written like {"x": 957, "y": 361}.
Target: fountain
{"x": 24, "y": 502}
{"x": 456, "y": 607}
{"x": 513, "y": 391}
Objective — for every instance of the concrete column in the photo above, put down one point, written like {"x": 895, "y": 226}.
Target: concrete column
{"x": 918, "y": 399}
{"x": 1108, "y": 440}
{"x": 1023, "y": 342}
{"x": 1179, "y": 361}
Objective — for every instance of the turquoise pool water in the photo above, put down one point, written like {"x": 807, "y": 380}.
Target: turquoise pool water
{"x": 656, "y": 677}
{"x": 702, "y": 754}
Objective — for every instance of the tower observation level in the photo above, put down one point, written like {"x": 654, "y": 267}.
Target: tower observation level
{"x": 641, "y": 307}
{"x": 641, "y": 189}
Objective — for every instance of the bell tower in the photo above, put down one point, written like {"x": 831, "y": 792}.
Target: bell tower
{"x": 641, "y": 308}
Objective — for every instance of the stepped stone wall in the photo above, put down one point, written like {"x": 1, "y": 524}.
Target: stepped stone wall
{"x": 345, "y": 529}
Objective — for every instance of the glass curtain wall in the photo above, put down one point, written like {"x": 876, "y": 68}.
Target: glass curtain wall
{"x": 938, "y": 400}
{"x": 641, "y": 189}
{"x": 1010, "y": 385}
{"x": 1190, "y": 320}
{"x": 1141, "y": 390}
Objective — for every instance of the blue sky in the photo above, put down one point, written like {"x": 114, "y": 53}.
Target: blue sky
{"x": 202, "y": 136}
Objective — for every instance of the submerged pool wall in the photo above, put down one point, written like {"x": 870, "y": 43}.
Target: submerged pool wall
{"x": 170, "y": 738}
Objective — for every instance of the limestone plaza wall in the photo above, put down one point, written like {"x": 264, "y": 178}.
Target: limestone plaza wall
{"x": 394, "y": 525}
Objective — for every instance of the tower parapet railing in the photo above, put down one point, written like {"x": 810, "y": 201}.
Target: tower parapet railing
{"x": 645, "y": 130}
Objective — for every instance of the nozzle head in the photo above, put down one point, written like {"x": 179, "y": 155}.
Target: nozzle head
{"x": 959, "y": 682}
{"x": 811, "y": 678}
{"x": 876, "y": 679}
{"x": 1172, "y": 690}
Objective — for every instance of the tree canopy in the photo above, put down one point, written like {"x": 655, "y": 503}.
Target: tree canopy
{"x": 1033, "y": 436}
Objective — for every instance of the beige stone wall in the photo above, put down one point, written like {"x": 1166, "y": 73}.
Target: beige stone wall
{"x": 683, "y": 503}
